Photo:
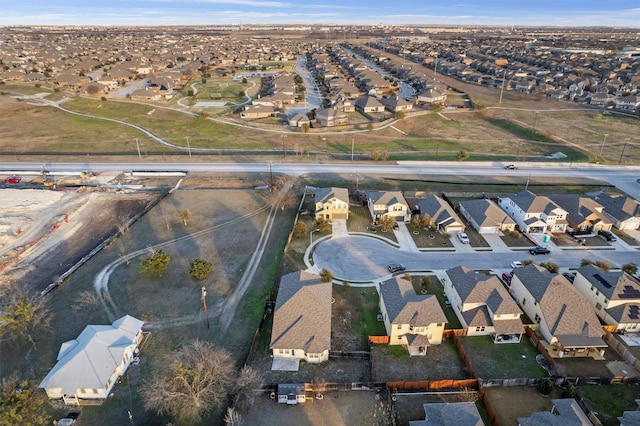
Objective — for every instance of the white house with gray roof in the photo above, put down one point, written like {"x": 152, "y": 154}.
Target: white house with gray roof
{"x": 388, "y": 203}
{"x": 302, "y": 318}
{"x": 415, "y": 321}
{"x": 567, "y": 319}
{"x": 486, "y": 217}
{"x": 614, "y": 296}
{"x": 565, "y": 412}
{"x": 89, "y": 366}
{"x": 534, "y": 214}
{"x": 483, "y": 305}
{"x": 623, "y": 211}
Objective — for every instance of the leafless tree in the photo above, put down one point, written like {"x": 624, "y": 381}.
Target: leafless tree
{"x": 246, "y": 384}
{"x": 185, "y": 216}
{"x": 195, "y": 381}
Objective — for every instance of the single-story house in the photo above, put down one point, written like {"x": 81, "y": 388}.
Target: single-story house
{"x": 368, "y": 104}
{"x": 332, "y": 203}
{"x": 449, "y": 413}
{"x": 302, "y": 318}
{"x": 441, "y": 213}
{"x": 299, "y": 120}
{"x": 486, "y": 217}
{"x": 623, "y": 211}
{"x": 415, "y": 321}
{"x": 564, "y": 412}
{"x": 89, "y": 366}
{"x": 256, "y": 111}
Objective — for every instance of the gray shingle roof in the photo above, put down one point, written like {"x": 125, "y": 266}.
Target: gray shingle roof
{"x": 474, "y": 287}
{"x": 325, "y": 194}
{"x": 450, "y": 413}
{"x": 621, "y": 208}
{"x": 486, "y": 213}
{"x": 302, "y": 316}
{"x": 567, "y": 413}
{"x": 614, "y": 285}
{"x": 438, "y": 209}
{"x": 404, "y": 306}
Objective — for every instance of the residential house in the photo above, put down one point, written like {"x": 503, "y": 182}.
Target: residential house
{"x": 623, "y": 211}
{"x": 302, "y": 318}
{"x": 396, "y": 104}
{"x": 369, "y": 104}
{"x": 630, "y": 418}
{"x": 442, "y": 215}
{"x": 584, "y": 215}
{"x": 388, "y": 203}
{"x": 564, "y": 412}
{"x": 256, "y": 111}
{"x": 331, "y": 117}
{"x": 292, "y": 393}
{"x": 449, "y": 413}
{"x": 415, "y": 321}
{"x": 146, "y": 94}
{"x": 89, "y": 366}
{"x": 483, "y": 305}
{"x": 432, "y": 95}
{"x": 535, "y": 214}
{"x": 614, "y": 295}
{"x": 628, "y": 103}
{"x": 299, "y": 120}
{"x": 486, "y": 217}
{"x": 567, "y": 320}
{"x": 332, "y": 203}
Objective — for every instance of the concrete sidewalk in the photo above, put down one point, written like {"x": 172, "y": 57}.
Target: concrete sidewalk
{"x": 405, "y": 240}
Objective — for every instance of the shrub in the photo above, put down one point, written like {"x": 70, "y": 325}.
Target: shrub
{"x": 545, "y": 387}
{"x": 300, "y": 230}
{"x": 200, "y": 269}
{"x": 326, "y": 275}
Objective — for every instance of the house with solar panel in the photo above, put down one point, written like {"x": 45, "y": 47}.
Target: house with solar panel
{"x": 615, "y": 296}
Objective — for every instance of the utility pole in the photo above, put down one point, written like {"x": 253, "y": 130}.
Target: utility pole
{"x": 626, "y": 141}
{"x": 138, "y": 146}
{"x": 352, "y": 141}
{"x": 504, "y": 78}
{"x": 603, "y": 142}
{"x": 204, "y": 303}
{"x": 271, "y": 175}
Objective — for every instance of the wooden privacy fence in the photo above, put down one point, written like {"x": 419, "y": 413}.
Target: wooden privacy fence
{"x": 487, "y": 405}
{"x": 457, "y": 332}
{"x": 379, "y": 340}
{"x": 622, "y": 350}
{"x": 464, "y": 356}
{"x": 433, "y": 384}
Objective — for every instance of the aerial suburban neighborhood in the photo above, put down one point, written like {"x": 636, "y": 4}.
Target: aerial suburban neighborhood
{"x": 260, "y": 224}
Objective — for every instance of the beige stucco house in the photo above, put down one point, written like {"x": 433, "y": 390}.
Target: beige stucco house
{"x": 332, "y": 203}
{"x": 388, "y": 203}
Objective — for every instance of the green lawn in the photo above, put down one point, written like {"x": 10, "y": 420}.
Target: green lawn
{"x": 609, "y": 401}
{"x": 509, "y": 360}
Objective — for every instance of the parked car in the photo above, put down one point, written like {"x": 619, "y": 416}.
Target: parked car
{"x": 68, "y": 420}
{"x": 463, "y": 237}
{"x": 507, "y": 276}
{"x": 539, "y": 250}
{"x": 13, "y": 179}
{"x": 516, "y": 264}
{"x": 511, "y": 167}
{"x": 396, "y": 267}
{"x": 570, "y": 276}
{"x": 607, "y": 235}
{"x": 396, "y": 226}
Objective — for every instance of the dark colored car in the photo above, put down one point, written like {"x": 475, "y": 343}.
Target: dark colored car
{"x": 607, "y": 235}
{"x": 539, "y": 250}
{"x": 13, "y": 179}
{"x": 507, "y": 276}
{"x": 570, "y": 276}
{"x": 396, "y": 267}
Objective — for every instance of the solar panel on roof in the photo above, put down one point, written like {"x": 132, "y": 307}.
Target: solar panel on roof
{"x": 634, "y": 310}
{"x": 602, "y": 281}
{"x": 629, "y": 292}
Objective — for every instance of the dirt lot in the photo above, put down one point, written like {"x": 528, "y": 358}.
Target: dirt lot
{"x": 509, "y": 403}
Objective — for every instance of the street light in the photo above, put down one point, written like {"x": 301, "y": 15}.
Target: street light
{"x": 311, "y": 236}
{"x": 204, "y": 303}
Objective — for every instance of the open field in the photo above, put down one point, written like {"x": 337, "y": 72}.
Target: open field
{"x": 499, "y": 134}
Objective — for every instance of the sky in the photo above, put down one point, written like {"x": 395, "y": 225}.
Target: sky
{"x": 619, "y": 13}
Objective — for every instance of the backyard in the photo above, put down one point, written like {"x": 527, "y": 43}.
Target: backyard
{"x": 609, "y": 401}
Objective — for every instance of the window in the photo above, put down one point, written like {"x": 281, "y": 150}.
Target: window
{"x": 399, "y": 327}
{"x": 82, "y": 390}
{"x": 598, "y": 306}
{"x": 537, "y": 318}
{"x": 95, "y": 391}
{"x": 439, "y": 324}
{"x": 524, "y": 301}
{"x": 481, "y": 328}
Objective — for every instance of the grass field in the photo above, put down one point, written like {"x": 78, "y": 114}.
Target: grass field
{"x": 609, "y": 401}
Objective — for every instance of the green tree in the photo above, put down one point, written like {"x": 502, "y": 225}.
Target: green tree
{"x": 462, "y": 155}
{"x": 326, "y": 275}
{"x": 24, "y": 317}
{"x": 194, "y": 381}
{"x": 300, "y": 230}
{"x": 322, "y": 225}
{"x": 386, "y": 222}
{"x": 200, "y": 269}
{"x": 630, "y": 268}
{"x": 545, "y": 386}
{"x": 156, "y": 263}
{"x": 20, "y": 404}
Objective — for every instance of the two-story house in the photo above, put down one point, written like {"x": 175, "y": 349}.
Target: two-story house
{"x": 483, "y": 305}
{"x": 614, "y": 295}
{"x": 584, "y": 215}
{"x": 534, "y": 214}
{"x": 415, "y": 321}
{"x": 388, "y": 203}
{"x": 302, "y": 319}
{"x": 567, "y": 320}
{"x": 623, "y": 211}
{"x": 332, "y": 203}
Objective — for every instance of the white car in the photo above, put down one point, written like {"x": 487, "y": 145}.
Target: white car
{"x": 463, "y": 237}
{"x": 516, "y": 264}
